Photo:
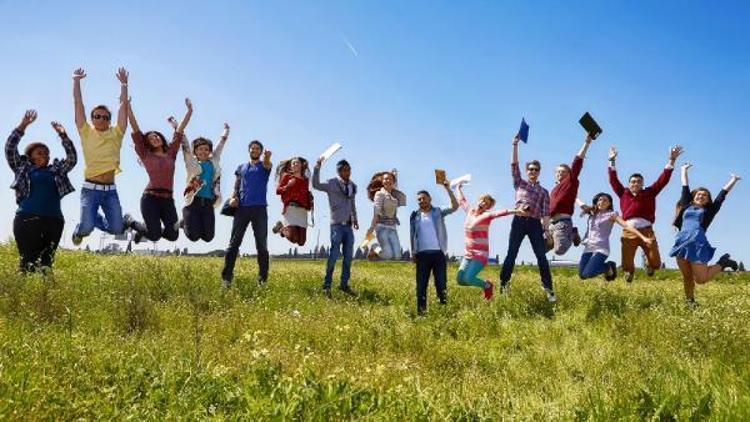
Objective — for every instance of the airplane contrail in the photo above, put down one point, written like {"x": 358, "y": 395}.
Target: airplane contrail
{"x": 351, "y": 47}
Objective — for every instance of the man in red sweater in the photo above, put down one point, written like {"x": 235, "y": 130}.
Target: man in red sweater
{"x": 562, "y": 203}
{"x": 638, "y": 208}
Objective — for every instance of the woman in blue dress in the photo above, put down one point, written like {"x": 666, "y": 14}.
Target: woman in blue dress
{"x": 695, "y": 212}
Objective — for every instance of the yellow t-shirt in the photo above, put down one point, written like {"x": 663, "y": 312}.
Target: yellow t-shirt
{"x": 101, "y": 150}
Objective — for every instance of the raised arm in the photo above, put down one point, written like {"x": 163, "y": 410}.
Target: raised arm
{"x": 267, "y": 160}
{"x": 131, "y": 117}
{"x": 617, "y": 187}
{"x": 186, "y": 119}
{"x": 80, "y": 111}
{"x": 684, "y": 174}
{"x": 666, "y": 174}
{"x": 222, "y": 140}
{"x": 316, "y": 177}
{"x": 462, "y": 198}
{"x": 625, "y": 226}
{"x": 514, "y": 169}
{"x": 71, "y": 157}
{"x": 586, "y": 144}
{"x": 11, "y": 145}
{"x": 452, "y": 196}
{"x": 732, "y": 181}
{"x": 122, "y": 113}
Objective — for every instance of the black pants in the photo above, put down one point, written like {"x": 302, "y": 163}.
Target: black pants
{"x": 37, "y": 238}
{"x": 430, "y": 261}
{"x": 198, "y": 220}
{"x": 520, "y": 228}
{"x": 257, "y": 216}
{"x": 157, "y": 210}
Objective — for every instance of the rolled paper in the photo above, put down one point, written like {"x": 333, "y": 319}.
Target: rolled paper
{"x": 466, "y": 178}
{"x": 328, "y": 153}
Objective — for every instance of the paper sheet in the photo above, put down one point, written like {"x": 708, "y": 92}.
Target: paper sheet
{"x": 466, "y": 178}
{"x": 328, "y": 153}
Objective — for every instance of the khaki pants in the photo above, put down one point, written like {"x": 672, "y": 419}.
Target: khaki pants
{"x": 631, "y": 242}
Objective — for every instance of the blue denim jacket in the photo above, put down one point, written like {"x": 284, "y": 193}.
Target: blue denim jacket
{"x": 438, "y": 215}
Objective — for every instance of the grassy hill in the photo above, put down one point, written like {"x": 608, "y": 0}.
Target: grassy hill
{"x": 148, "y": 338}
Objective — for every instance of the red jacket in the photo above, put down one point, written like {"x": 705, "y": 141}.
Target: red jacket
{"x": 299, "y": 192}
{"x": 642, "y": 205}
{"x": 562, "y": 199}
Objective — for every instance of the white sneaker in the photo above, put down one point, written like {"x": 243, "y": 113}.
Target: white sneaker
{"x": 505, "y": 289}
{"x": 225, "y": 284}
{"x": 551, "y": 298}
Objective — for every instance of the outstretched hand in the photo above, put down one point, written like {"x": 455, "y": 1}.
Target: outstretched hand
{"x": 28, "y": 118}
{"x": 58, "y": 128}
{"x": 686, "y": 166}
{"x": 172, "y": 122}
{"x": 79, "y": 74}
{"x": 612, "y": 153}
{"x": 675, "y": 152}
{"x": 225, "y": 132}
{"x": 122, "y": 75}
{"x": 736, "y": 177}
{"x": 189, "y": 104}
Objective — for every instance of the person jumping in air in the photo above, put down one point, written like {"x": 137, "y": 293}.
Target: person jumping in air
{"x": 562, "y": 203}
{"x": 203, "y": 189}
{"x": 383, "y": 192}
{"x": 602, "y": 218}
{"x": 695, "y": 212}
{"x": 534, "y": 199}
{"x": 101, "y": 145}
{"x": 293, "y": 186}
{"x": 476, "y": 240}
{"x": 638, "y": 207}
{"x": 158, "y": 158}
{"x": 39, "y": 187}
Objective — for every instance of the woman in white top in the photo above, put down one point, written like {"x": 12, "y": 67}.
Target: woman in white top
{"x": 386, "y": 200}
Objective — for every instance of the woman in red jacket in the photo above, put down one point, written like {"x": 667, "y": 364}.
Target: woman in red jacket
{"x": 293, "y": 186}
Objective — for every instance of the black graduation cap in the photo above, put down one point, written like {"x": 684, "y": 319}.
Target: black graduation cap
{"x": 590, "y": 125}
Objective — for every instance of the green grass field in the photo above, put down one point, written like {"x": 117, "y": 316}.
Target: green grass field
{"x": 152, "y": 338}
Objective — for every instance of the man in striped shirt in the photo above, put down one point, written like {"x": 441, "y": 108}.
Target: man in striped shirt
{"x": 534, "y": 199}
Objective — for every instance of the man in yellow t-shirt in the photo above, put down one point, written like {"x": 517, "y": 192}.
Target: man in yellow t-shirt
{"x": 101, "y": 153}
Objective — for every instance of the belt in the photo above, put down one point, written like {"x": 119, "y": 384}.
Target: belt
{"x": 560, "y": 217}
{"x": 98, "y": 186}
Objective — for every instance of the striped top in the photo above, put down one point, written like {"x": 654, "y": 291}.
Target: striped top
{"x": 476, "y": 231}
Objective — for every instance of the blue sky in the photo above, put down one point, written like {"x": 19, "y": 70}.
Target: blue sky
{"x": 433, "y": 84}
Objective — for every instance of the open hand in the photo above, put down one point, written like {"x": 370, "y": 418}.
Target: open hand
{"x": 28, "y": 118}
{"x": 58, "y": 128}
{"x": 122, "y": 75}
{"x": 79, "y": 74}
{"x": 172, "y": 122}
{"x": 675, "y": 152}
{"x": 612, "y": 153}
{"x": 686, "y": 166}
{"x": 736, "y": 177}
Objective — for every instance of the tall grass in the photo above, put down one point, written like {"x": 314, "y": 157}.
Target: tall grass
{"x": 153, "y": 338}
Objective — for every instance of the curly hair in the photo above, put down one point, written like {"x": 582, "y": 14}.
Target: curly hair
{"x": 164, "y": 146}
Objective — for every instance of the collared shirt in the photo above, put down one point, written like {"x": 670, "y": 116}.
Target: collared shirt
{"x": 101, "y": 150}
{"x": 530, "y": 194}
{"x": 22, "y": 167}
{"x": 341, "y": 196}
{"x": 643, "y": 204}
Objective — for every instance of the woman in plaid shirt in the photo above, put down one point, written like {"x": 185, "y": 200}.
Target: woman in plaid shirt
{"x": 39, "y": 187}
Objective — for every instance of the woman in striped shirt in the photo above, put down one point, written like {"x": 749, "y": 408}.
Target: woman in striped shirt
{"x": 476, "y": 239}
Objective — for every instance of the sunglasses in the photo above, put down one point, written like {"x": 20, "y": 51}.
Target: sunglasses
{"x": 100, "y": 117}
{"x": 532, "y": 169}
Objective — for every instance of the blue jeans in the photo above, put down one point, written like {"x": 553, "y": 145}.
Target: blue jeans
{"x": 468, "y": 271}
{"x": 110, "y": 222}
{"x": 592, "y": 264}
{"x": 342, "y": 238}
{"x": 388, "y": 240}
{"x": 520, "y": 228}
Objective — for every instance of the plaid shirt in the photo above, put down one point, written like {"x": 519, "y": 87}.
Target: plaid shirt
{"x": 533, "y": 195}
{"x": 22, "y": 166}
